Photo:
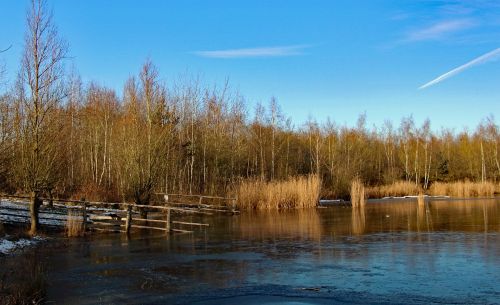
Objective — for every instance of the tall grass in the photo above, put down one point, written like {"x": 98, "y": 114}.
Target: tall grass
{"x": 396, "y": 189}
{"x": 463, "y": 189}
{"x": 74, "y": 224}
{"x": 296, "y": 192}
{"x": 357, "y": 193}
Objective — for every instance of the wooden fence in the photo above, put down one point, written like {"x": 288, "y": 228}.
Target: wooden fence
{"x": 163, "y": 215}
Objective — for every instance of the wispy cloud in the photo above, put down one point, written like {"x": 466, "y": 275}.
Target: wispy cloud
{"x": 278, "y": 51}
{"x": 490, "y": 56}
{"x": 439, "y": 30}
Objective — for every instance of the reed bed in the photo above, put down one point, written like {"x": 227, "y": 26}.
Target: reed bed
{"x": 357, "y": 193}
{"x": 396, "y": 189}
{"x": 463, "y": 189}
{"x": 296, "y": 192}
{"x": 74, "y": 224}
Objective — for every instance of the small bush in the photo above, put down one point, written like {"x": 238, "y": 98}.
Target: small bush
{"x": 93, "y": 192}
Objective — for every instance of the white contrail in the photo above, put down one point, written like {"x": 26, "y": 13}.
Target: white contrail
{"x": 495, "y": 54}
{"x": 255, "y": 52}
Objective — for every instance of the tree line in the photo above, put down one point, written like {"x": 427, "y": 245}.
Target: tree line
{"x": 59, "y": 136}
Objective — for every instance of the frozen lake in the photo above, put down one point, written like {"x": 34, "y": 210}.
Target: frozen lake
{"x": 389, "y": 252}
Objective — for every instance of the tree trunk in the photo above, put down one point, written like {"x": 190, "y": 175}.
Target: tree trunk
{"x": 34, "y": 207}
{"x": 142, "y": 201}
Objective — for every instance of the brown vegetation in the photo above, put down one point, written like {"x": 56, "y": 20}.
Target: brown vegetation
{"x": 357, "y": 193}
{"x": 463, "y": 189}
{"x": 297, "y": 192}
{"x": 396, "y": 189}
{"x": 74, "y": 224}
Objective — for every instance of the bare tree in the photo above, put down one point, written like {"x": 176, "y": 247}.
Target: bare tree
{"x": 143, "y": 136}
{"x": 41, "y": 78}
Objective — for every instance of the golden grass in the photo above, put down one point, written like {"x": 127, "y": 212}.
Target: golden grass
{"x": 357, "y": 193}
{"x": 296, "y": 192}
{"x": 396, "y": 189}
{"x": 463, "y": 189}
{"x": 74, "y": 224}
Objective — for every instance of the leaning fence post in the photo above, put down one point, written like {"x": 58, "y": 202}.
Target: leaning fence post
{"x": 128, "y": 221}
{"x": 168, "y": 220}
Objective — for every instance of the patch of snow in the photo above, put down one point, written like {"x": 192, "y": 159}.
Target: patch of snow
{"x": 7, "y": 246}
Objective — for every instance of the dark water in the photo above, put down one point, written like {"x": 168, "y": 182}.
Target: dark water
{"x": 446, "y": 252}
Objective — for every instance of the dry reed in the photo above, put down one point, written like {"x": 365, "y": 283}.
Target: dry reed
{"x": 74, "y": 224}
{"x": 463, "y": 189}
{"x": 296, "y": 192}
{"x": 357, "y": 193}
{"x": 396, "y": 189}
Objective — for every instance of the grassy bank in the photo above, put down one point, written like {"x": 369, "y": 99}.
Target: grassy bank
{"x": 296, "y": 192}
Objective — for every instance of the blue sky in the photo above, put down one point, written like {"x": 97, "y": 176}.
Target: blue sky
{"x": 331, "y": 58}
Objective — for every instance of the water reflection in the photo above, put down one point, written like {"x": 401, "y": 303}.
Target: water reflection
{"x": 302, "y": 224}
{"x": 395, "y": 216}
{"x": 358, "y": 220}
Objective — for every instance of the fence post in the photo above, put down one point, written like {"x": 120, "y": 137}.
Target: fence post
{"x": 84, "y": 215}
{"x": 168, "y": 220}
{"x": 166, "y": 198}
{"x": 234, "y": 205}
{"x": 201, "y": 198}
{"x": 128, "y": 221}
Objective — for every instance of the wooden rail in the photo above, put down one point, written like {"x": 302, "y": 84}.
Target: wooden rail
{"x": 97, "y": 216}
{"x": 225, "y": 204}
